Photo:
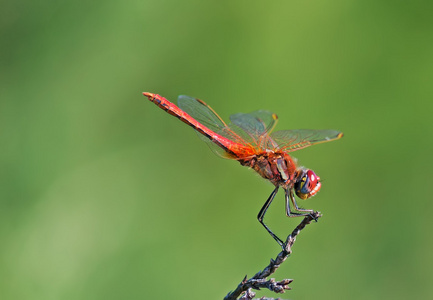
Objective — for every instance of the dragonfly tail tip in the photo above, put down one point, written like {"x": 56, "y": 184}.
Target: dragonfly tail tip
{"x": 149, "y": 95}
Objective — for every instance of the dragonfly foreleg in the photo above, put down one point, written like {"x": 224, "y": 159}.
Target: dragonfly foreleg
{"x": 290, "y": 197}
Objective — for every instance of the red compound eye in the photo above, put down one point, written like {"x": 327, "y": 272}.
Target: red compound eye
{"x": 308, "y": 185}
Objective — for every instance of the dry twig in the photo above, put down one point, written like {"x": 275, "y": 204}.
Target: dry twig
{"x": 259, "y": 280}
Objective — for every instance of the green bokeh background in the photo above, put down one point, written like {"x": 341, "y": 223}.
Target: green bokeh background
{"x": 105, "y": 196}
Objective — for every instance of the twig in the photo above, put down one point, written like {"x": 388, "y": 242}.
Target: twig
{"x": 259, "y": 280}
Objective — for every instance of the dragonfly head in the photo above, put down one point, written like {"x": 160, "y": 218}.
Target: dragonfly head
{"x": 307, "y": 184}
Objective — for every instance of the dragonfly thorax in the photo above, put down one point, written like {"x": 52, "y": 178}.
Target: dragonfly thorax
{"x": 279, "y": 168}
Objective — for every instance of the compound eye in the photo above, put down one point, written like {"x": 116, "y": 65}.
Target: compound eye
{"x": 308, "y": 185}
{"x": 312, "y": 178}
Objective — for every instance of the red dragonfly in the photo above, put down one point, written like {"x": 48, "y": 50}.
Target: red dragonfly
{"x": 249, "y": 139}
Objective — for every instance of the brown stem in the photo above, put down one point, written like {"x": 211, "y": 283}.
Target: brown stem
{"x": 260, "y": 279}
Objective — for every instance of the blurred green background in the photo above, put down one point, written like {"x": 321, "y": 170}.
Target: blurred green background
{"x": 105, "y": 196}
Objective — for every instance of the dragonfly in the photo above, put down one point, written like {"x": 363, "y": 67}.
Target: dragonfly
{"x": 250, "y": 140}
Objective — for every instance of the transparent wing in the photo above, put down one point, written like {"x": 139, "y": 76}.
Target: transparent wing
{"x": 202, "y": 112}
{"x": 254, "y": 127}
{"x": 292, "y": 140}
{"x": 256, "y": 123}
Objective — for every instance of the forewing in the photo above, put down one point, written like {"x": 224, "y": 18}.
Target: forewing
{"x": 292, "y": 140}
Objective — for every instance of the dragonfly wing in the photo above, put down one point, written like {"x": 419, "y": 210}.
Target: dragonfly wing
{"x": 254, "y": 127}
{"x": 292, "y": 140}
{"x": 201, "y": 112}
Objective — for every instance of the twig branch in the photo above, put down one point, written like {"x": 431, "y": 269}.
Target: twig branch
{"x": 259, "y": 280}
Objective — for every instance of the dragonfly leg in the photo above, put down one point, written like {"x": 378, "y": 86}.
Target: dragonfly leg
{"x": 290, "y": 197}
{"x": 262, "y": 213}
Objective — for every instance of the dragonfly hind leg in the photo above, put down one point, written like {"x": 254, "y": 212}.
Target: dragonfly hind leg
{"x": 262, "y": 213}
{"x": 290, "y": 197}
